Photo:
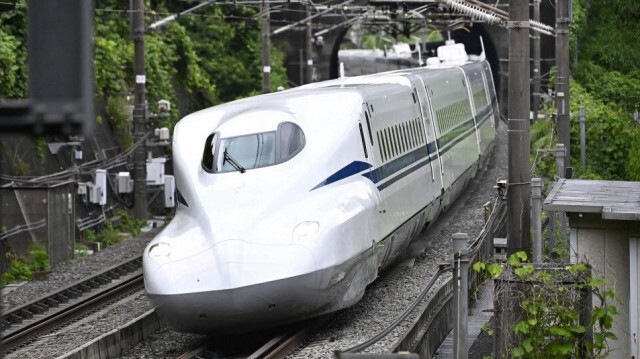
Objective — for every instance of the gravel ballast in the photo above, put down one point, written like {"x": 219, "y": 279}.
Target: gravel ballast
{"x": 382, "y": 303}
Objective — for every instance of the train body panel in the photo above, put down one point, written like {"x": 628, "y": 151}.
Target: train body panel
{"x": 291, "y": 202}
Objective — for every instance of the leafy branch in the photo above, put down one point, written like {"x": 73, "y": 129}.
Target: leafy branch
{"x": 552, "y": 320}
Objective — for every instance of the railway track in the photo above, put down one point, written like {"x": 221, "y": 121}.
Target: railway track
{"x": 277, "y": 345}
{"x": 27, "y": 322}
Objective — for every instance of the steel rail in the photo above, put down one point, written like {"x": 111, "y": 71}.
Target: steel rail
{"x": 279, "y": 346}
{"x": 401, "y": 318}
{"x": 438, "y": 307}
{"x": 73, "y": 291}
{"x": 15, "y": 335}
{"x": 58, "y": 318}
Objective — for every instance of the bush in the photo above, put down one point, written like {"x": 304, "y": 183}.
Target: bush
{"x": 21, "y": 268}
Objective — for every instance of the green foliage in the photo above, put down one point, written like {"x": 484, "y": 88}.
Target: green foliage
{"x": 550, "y": 325}
{"x": 41, "y": 144}
{"x": 112, "y": 54}
{"x": 617, "y": 47}
{"x": 608, "y": 136}
{"x": 13, "y": 51}
{"x": 195, "y": 62}
{"x": 129, "y": 224}
{"x": 19, "y": 166}
{"x": 80, "y": 250}
{"x": 607, "y": 84}
{"x": 119, "y": 117}
{"x": 21, "y": 268}
{"x": 107, "y": 236}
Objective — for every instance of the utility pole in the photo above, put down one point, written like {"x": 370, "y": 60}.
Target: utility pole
{"x": 309, "y": 47}
{"x": 518, "y": 206}
{"x": 139, "y": 113}
{"x": 535, "y": 36}
{"x": 266, "y": 47}
{"x": 562, "y": 76}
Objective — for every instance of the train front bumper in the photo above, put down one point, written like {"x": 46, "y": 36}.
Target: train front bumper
{"x": 252, "y": 307}
{"x": 244, "y": 295}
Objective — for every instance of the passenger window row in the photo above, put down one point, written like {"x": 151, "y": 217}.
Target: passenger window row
{"x": 453, "y": 115}
{"x": 399, "y": 139}
{"x": 479, "y": 96}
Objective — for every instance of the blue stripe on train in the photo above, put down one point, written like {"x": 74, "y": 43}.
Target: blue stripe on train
{"x": 346, "y": 171}
{"x": 394, "y": 167}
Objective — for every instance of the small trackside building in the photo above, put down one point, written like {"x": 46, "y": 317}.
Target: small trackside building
{"x": 604, "y": 219}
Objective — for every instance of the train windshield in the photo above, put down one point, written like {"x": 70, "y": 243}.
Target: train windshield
{"x": 256, "y": 150}
{"x": 245, "y": 152}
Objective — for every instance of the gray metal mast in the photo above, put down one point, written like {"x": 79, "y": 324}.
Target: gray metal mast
{"x": 266, "y": 47}
{"x": 562, "y": 76}
{"x": 139, "y": 113}
{"x": 518, "y": 206}
{"x": 535, "y": 36}
{"x": 309, "y": 47}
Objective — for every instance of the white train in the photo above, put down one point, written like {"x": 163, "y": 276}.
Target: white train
{"x": 292, "y": 202}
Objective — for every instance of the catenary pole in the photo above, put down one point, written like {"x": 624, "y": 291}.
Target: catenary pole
{"x": 266, "y": 47}
{"x": 308, "y": 45}
{"x": 535, "y": 36}
{"x": 562, "y": 76}
{"x": 139, "y": 114}
{"x": 518, "y": 206}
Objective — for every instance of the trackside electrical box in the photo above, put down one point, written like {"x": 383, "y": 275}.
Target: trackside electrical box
{"x": 169, "y": 191}
{"x": 155, "y": 171}
{"x": 125, "y": 183}
{"x": 101, "y": 187}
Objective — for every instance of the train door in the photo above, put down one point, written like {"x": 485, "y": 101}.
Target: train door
{"x": 432, "y": 143}
{"x": 470, "y": 79}
{"x": 373, "y": 157}
{"x": 368, "y": 134}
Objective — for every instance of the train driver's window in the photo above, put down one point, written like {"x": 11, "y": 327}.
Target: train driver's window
{"x": 290, "y": 141}
{"x": 209, "y": 151}
{"x": 245, "y": 152}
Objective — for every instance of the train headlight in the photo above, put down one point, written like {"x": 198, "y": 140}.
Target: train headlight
{"x": 160, "y": 249}
{"x": 305, "y": 230}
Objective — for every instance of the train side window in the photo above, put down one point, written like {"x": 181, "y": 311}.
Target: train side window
{"x": 290, "y": 142}
{"x": 407, "y": 142}
{"x": 364, "y": 144}
{"x": 387, "y": 140}
{"x": 398, "y": 139}
{"x": 209, "y": 152}
{"x": 394, "y": 139}
{"x": 366, "y": 116}
{"x": 380, "y": 149}
{"x": 404, "y": 138}
{"x": 413, "y": 132}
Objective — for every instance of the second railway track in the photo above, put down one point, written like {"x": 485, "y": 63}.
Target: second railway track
{"x": 28, "y": 321}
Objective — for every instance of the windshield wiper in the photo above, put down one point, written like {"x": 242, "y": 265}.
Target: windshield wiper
{"x": 234, "y": 163}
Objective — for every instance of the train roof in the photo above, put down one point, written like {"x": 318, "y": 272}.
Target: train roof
{"x": 359, "y": 86}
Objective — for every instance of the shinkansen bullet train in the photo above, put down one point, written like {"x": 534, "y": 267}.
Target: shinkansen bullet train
{"x": 292, "y": 202}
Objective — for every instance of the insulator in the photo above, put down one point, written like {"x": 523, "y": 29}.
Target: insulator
{"x": 473, "y": 11}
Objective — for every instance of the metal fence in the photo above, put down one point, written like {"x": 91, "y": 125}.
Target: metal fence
{"x": 438, "y": 318}
{"x": 39, "y": 216}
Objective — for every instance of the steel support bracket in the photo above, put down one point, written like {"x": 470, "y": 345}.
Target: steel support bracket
{"x": 518, "y": 24}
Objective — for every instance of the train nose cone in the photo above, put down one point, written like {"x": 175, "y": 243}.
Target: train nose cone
{"x": 232, "y": 286}
{"x": 227, "y": 264}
